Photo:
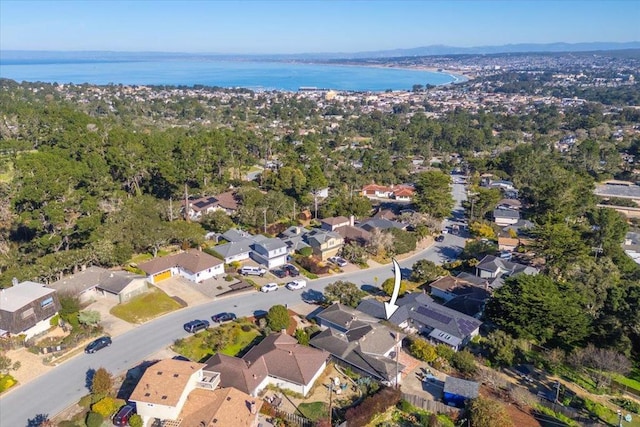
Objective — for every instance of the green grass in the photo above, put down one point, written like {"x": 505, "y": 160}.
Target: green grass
{"x": 138, "y": 258}
{"x": 313, "y": 410}
{"x": 194, "y": 347}
{"x": 146, "y": 306}
{"x": 632, "y": 380}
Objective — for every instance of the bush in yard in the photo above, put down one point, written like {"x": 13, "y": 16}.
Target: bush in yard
{"x": 135, "y": 421}
{"x": 6, "y": 382}
{"x": 486, "y": 412}
{"x": 55, "y": 320}
{"x": 464, "y": 362}
{"x": 362, "y": 414}
{"x": 94, "y": 419}
{"x": 445, "y": 352}
{"x": 105, "y": 406}
{"x": 501, "y": 347}
{"x": 389, "y": 284}
{"x": 102, "y": 382}
{"x": 302, "y": 336}
{"x": 306, "y": 252}
{"x": 422, "y": 350}
{"x": 278, "y": 318}
{"x": 313, "y": 265}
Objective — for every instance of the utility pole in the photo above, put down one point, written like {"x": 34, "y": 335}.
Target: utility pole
{"x": 397, "y": 356}
{"x": 294, "y": 210}
{"x": 186, "y": 202}
{"x": 265, "y": 220}
{"x": 330, "y": 401}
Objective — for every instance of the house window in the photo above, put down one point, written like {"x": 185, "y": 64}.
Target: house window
{"x": 46, "y": 302}
{"x": 27, "y": 313}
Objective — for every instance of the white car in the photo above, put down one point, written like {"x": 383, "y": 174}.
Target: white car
{"x": 338, "y": 261}
{"x": 296, "y": 284}
{"x": 269, "y": 287}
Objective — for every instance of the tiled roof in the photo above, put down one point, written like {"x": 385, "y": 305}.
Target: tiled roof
{"x": 193, "y": 260}
{"x": 164, "y": 382}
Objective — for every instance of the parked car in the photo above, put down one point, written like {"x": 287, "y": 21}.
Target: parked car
{"x": 279, "y": 272}
{"x": 269, "y": 287}
{"x": 123, "y": 415}
{"x": 292, "y": 270}
{"x": 252, "y": 271}
{"x": 440, "y": 238}
{"x": 97, "y": 344}
{"x": 223, "y": 317}
{"x": 296, "y": 284}
{"x": 196, "y": 325}
{"x": 338, "y": 261}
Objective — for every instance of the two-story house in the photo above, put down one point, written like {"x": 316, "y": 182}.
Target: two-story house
{"x": 324, "y": 244}
{"x": 271, "y": 252}
{"x": 26, "y": 308}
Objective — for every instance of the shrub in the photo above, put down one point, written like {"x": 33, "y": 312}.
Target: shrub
{"x": 362, "y": 414}
{"x": 302, "y": 336}
{"x": 6, "y": 382}
{"x": 422, "y": 350}
{"x": 94, "y": 419}
{"x": 135, "y": 421}
{"x": 464, "y": 362}
{"x": 228, "y": 278}
{"x": 278, "y": 318}
{"x": 389, "y": 285}
{"x": 85, "y": 401}
{"x": 102, "y": 382}
{"x": 306, "y": 252}
{"x": 246, "y": 328}
{"x": 55, "y": 320}
{"x": 445, "y": 352}
{"x": 627, "y": 404}
{"x": 105, "y": 406}
{"x": 313, "y": 265}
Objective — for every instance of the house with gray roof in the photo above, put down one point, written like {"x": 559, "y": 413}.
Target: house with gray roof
{"x": 492, "y": 267}
{"x": 98, "y": 282}
{"x": 238, "y": 250}
{"x": 278, "y": 359}
{"x": 271, "y": 252}
{"x": 419, "y": 313}
{"x": 26, "y": 309}
{"x": 324, "y": 244}
{"x": 381, "y": 224}
{"x": 504, "y": 217}
{"x": 357, "y": 340}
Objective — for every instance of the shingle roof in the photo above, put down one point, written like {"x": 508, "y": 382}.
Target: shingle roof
{"x": 193, "y": 260}
{"x": 349, "y": 232}
{"x": 335, "y": 220}
{"x": 494, "y": 264}
{"x": 622, "y": 189}
{"x": 79, "y": 282}
{"x": 460, "y": 387}
{"x": 381, "y": 224}
{"x": 116, "y": 281}
{"x": 421, "y": 308}
{"x": 287, "y": 359}
{"x": 237, "y": 373}
{"x": 220, "y": 407}
{"x": 271, "y": 243}
{"x": 164, "y": 382}
{"x": 16, "y": 297}
{"x": 344, "y": 316}
{"x": 506, "y": 213}
{"x": 233, "y": 248}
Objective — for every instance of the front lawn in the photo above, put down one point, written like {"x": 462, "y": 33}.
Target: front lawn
{"x": 144, "y": 307}
{"x": 233, "y": 338}
{"x": 314, "y": 410}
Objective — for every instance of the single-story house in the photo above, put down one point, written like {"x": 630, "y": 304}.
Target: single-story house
{"x": 234, "y": 251}
{"x": 419, "y": 313}
{"x": 381, "y": 224}
{"x": 97, "y": 282}
{"x": 226, "y": 202}
{"x": 508, "y": 243}
{"x": 354, "y": 234}
{"x": 457, "y": 391}
{"x": 491, "y": 267}
{"x": 330, "y": 224}
{"x": 26, "y": 308}
{"x": 278, "y": 359}
{"x": 450, "y": 287}
{"x": 356, "y": 340}
{"x": 193, "y": 265}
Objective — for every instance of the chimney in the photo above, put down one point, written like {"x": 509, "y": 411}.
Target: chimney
{"x": 14, "y": 281}
{"x": 253, "y": 408}
{"x": 255, "y": 377}
{"x": 290, "y": 353}
{"x": 352, "y": 220}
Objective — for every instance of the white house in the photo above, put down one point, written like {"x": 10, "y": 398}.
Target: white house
{"x": 193, "y": 265}
{"x": 270, "y": 252}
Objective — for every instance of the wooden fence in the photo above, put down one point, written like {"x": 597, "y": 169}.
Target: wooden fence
{"x": 430, "y": 405}
{"x": 295, "y": 419}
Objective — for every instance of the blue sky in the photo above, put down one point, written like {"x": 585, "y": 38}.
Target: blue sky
{"x": 307, "y": 26}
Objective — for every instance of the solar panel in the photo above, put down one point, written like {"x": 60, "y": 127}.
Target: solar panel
{"x": 425, "y": 311}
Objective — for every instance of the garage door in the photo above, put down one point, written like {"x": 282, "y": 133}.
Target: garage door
{"x": 161, "y": 276}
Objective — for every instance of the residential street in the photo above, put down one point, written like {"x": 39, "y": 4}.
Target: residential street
{"x": 66, "y": 384}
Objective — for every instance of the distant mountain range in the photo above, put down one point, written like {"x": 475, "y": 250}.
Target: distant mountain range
{"x": 433, "y": 50}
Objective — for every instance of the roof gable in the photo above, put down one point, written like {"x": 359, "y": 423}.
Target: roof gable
{"x": 164, "y": 382}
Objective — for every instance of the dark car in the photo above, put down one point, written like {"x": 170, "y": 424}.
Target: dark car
{"x": 279, "y": 272}
{"x": 196, "y": 325}
{"x": 223, "y": 317}
{"x": 123, "y": 415}
{"x": 97, "y": 344}
{"x": 440, "y": 238}
{"x": 292, "y": 270}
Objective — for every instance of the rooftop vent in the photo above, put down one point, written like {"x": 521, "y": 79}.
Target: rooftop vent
{"x": 159, "y": 373}
{"x": 164, "y": 397}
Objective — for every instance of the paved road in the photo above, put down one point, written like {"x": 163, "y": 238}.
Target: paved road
{"x": 66, "y": 384}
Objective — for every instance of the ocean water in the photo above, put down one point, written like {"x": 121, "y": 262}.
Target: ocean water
{"x": 224, "y": 73}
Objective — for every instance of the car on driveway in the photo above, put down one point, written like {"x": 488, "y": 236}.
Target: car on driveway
{"x": 223, "y": 317}
{"x": 338, "y": 261}
{"x": 123, "y": 415}
{"x": 296, "y": 284}
{"x": 279, "y": 272}
{"x": 440, "y": 238}
{"x": 196, "y": 325}
{"x": 97, "y": 344}
{"x": 292, "y": 270}
{"x": 269, "y": 287}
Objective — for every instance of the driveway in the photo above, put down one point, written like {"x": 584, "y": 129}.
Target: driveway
{"x": 185, "y": 290}
{"x": 430, "y": 389}
{"x": 112, "y": 325}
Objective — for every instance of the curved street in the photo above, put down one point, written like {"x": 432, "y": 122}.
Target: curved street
{"x": 66, "y": 384}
